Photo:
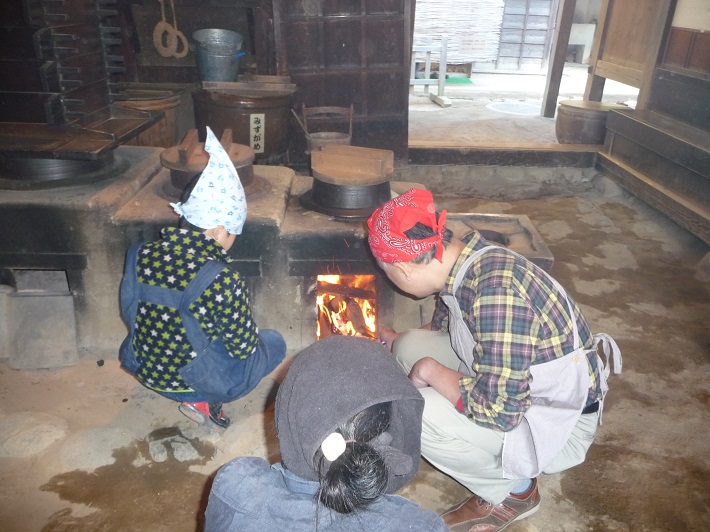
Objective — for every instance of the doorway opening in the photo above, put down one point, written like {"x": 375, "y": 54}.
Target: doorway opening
{"x": 496, "y": 62}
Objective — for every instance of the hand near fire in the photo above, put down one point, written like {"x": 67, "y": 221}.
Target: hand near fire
{"x": 387, "y": 337}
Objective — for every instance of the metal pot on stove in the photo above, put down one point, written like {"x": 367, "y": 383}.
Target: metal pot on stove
{"x": 349, "y": 182}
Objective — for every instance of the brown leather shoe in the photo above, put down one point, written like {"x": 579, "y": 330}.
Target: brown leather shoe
{"x": 478, "y": 515}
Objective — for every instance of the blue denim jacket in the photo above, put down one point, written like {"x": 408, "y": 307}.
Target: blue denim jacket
{"x": 249, "y": 495}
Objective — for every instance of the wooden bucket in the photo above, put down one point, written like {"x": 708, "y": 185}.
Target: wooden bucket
{"x": 165, "y": 132}
{"x": 582, "y": 121}
{"x": 315, "y": 140}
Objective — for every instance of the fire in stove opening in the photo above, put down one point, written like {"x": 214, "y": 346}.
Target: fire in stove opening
{"x": 346, "y": 306}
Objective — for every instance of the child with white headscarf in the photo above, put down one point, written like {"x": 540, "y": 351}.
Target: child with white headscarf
{"x": 192, "y": 337}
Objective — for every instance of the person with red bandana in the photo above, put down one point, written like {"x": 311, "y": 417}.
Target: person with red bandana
{"x": 513, "y": 379}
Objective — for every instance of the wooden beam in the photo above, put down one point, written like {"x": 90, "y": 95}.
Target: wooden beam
{"x": 682, "y": 210}
{"x": 323, "y": 287}
{"x": 621, "y": 73}
{"x": 441, "y": 101}
{"x": 661, "y": 31}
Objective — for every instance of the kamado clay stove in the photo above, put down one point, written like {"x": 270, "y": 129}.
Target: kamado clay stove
{"x": 349, "y": 182}
{"x": 76, "y": 199}
{"x": 64, "y": 173}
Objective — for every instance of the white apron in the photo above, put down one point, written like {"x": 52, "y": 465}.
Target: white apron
{"x": 558, "y": 389}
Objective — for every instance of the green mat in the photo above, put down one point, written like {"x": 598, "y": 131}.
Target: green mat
{"x": 465, "y": 81}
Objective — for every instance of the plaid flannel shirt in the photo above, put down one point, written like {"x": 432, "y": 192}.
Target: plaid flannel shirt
{"x": 518, "y": 319}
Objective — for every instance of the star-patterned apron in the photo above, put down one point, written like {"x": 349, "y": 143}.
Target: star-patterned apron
{"x": 213, "y": 373}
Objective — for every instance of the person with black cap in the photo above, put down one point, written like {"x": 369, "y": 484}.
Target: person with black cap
{"x": 348, "y": 423}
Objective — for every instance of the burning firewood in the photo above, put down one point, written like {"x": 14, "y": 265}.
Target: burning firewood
{"x": 344, "y": 290}
{"x": 325, "y": 326}
{"x": 357, "y": 318}
{"x": 345, "y": 309}
{"x": 335, "y": 304}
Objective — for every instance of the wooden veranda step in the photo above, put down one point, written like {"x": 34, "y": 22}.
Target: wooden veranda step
{"x": 687, "y": 210}
{"x": 678, "y": 142}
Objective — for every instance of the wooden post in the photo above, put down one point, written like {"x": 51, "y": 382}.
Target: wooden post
{"x": 560, "y": 39}
{"x": 595, "y": 84}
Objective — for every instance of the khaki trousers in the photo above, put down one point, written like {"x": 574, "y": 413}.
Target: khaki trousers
{"x": 469, "y": 453}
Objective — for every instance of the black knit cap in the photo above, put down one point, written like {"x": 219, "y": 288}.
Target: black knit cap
{"x": 332, "y": 380}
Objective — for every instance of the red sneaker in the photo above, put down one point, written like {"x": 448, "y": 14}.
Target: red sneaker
{"x": 217, "y": 415}
{"x": 206, "y": 414}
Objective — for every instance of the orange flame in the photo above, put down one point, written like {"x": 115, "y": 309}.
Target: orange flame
{"x": 346, "y": 306}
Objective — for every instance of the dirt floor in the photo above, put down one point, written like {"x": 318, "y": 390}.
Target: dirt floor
{"x": 86, "y": 448}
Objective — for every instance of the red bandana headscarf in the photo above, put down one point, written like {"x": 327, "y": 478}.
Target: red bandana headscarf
{"x": 389, "y": 222}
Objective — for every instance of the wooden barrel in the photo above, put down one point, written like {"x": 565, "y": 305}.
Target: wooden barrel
{"x": 582, "y": 121}
{"x": 165, "y": 132}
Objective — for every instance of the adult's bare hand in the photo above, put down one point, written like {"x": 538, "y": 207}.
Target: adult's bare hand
{"x": 387, "y": 337}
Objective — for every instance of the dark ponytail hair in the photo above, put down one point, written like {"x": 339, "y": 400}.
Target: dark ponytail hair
{"x": 358, "y": 476}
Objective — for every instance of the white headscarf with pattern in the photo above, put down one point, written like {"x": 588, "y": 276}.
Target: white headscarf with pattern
{"x": 218, "y": 197}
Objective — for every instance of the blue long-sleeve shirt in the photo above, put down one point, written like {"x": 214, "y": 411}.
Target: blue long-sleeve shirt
{"x": 249, "y": 495}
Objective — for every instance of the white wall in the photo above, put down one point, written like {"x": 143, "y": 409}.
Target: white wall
{"x": 586, "y": 11}
{"x": 692, "y": 14}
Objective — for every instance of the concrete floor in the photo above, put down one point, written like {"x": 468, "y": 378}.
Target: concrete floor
{"x": 87, "y": 448}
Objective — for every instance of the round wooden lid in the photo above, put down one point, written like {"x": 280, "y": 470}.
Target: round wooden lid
{"x": 347, "y": 177}
{"x": 239, "y": 154}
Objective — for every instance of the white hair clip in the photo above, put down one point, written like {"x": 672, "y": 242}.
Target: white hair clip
{"x": 333, "y": 446}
